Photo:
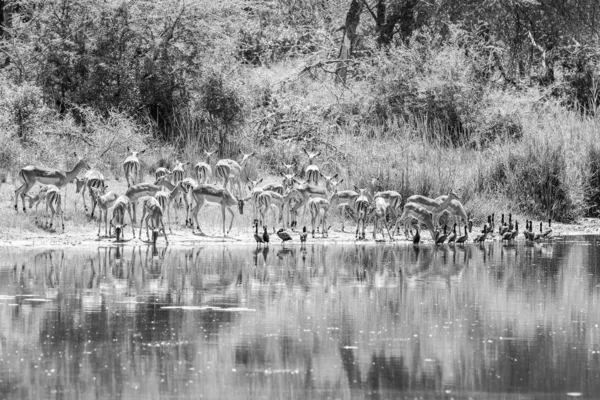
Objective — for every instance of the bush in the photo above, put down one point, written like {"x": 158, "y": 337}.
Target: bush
{"x": 592, "y": 182}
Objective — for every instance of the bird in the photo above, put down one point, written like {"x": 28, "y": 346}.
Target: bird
{"x": 303, "y": 235}
{"x": 549, "y": 230}
{"x": 527, "y": 233}
{"x": 283, "y": 235}
{"x": 510, "y": 224}
{"x": 488, "y": 225}
{"x": 493, "y": 224}
{"x": 441, "y": 238}
{"x": 462, "y": 239}
{"x": 416, "y": 237}
{"x": 452, "y": 237}
{"x": 257, "y": 237}
{"x": 265, "y": 235}
{"x": 501, "y": 225}
{"x": 481, "y": 238}
{"x": 516, "y": 231}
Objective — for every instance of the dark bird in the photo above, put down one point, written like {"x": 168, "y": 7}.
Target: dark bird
{"x": 527, "y": 233}
{"x": 516, "y": 231}
{"x": 416, "y": 237}
{"x": 487, "y": 227}
{"x": 265, "y": 235}
{"x": 501, "y": 225}
{"x": 549, "y": 230}
{"x": 481, "y": 238}
{"x": 303, "y": 235}
{"x": 510, "y": 224}
{"x": 283, "y": 235}
{"x": 462, "y": 239}
{"x": 441, "y": 238}
{"x": 452, "y": 237}
{"x": 257, "y": 237}
{"x": 493, "y": 224}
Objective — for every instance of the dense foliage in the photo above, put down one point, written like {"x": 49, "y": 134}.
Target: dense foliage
{"x": 467, "y": 75}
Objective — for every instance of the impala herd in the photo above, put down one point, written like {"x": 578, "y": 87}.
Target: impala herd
{"x": 283, "y": 200}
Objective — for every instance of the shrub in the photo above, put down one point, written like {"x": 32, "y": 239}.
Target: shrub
{"x": 592, "y": 182}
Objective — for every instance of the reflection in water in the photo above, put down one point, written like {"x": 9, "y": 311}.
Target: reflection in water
{"x": 318, "y": 321}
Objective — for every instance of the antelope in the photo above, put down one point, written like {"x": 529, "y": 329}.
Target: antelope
{"x": 122, "y": 204}
{"x": 178, "y": 175}
{"x": 203, "y": 170}
{"x": 421, "y": 214}
{"x": 160, "y": 172}
{"x": 135, "y": 192}
{"x": 186, "y": 184}
{"x": 268, "y": 200}
{"x": 380, "y": 210}
{"x": 455, "y": 210}
{"x": 214, "y": 194}
{"x": 255, "y": 191}
{"x": 166, "y": 196}
{"x": 104, "y": 202}
{"x": 54, "y": 202}
{"x": 230, "y": 170}
{"x": 46, "y": 176}
{"x": 312, "y": 171}
{"x": 318, "y": 207}
{"x": 361, "y": 208}
{"x": 393, "y": 202}
{"x": 304, "y": 192}
{"x": 37, "y": 199}
{"x": 131, "y": 166}
{"x": 434, "y": 206}
{"x": 154, "y": 217}
{"x": 91, "y": 179}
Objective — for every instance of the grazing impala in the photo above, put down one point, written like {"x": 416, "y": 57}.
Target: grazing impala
{"x": 37, "y": 199}
{"x": 432, "y": 205}
{"x": 54, "y": 202}
{"x": 122, "y": 204}
{"x": 227, "y": 170}
{"x": 152, "y": 215}
{"x": 131, "y": 166}
{"x": 421, "y": 214}
{"x": 135, "y": 192}
{"x": 46, "y": 176}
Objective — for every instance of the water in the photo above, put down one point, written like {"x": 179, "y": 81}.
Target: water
{"x": 331, "y": 321}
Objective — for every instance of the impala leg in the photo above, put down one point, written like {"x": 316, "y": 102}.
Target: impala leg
{"x": 21, "y": 192}
{"x": 100, "y": 223}
{"x": 163, "y": 230}
{"x": 62, "y": 215}
{"x": 142, "y": 221}
{"x": 131, "y": 220}
{"x": 232, "y": 216}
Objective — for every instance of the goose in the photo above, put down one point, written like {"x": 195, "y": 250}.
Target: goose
{"x": 416, "y": 237}
{"x": 481, "y": 238}
{"x": 516, "y": 231}
{"x": 549, "y": 230}
{"x": 452, "y": 237}
{"x": 303, "y": 235}
{"x": 283, "y": 235}
{"x": 265, "y": 235}
{"x": 501, "y": 225}
{"x": 257, "y": 237}
{"x": 441, "y": 238}
{"x": 462, "y": 239}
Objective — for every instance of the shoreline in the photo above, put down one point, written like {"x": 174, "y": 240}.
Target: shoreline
{"x": 184, "y": 238}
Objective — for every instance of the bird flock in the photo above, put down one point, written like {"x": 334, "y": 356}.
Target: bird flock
{"x": 309, "y": 189}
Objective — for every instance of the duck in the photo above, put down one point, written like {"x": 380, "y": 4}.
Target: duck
{"x": 257, "y": 237}
{"x": 549, "y": 230}
{"x": 283, "y": 235}
{"x": 487, "y": 227}
{"x": 303, "y": 235}
{"x": 416, "y": 237}
{"x": 501, "y": 225}
{"x": 462, "y": 239}
{"x": 538, "y": 235}
{"x": 510, "y": 224}
{"x": 265, "y": 235}
{"x": 441, "y": 238}
{"x": 527, "y": 232}
{"x": 481, "y": 238}
{"x": 493, "y": 223}
{"x": 452, "y": 237}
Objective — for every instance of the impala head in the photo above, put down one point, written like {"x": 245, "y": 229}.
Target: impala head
{"x": 118, "y": 230}
{"x": 253, "y": 184}
{"x": 32, "y": 199}
{"x": 179, "y": 165}
{"x": 245, "y": 157}
{"x": 289, "y": 168}
{"x": 135, "y": 153}
{"x": 311, "y": 156}
{"x": 361, "y": 192}
{"x": 209, "y": 154}
{"x": 240, "y": 204}
{"x": 81, "y": 162}
{"x": 330, "y": 182}
{"x": 288, "y": 180}
{"x": 455, "y": 196}
{"x": 162, "y": 179}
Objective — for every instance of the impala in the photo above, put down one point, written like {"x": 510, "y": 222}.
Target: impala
{"x": 54, "y": 202}
{"x": 361, "y": 208}
{"x": 268, "y": 200}
{"x": 46, "y": 176}
{"x": 312, "y": 171}
{"x": 91, "y": 179}
{"x": 421, "y": 214}
{"x": 131, "y": 166}
{"x": 382, "y": 205}
{"x": 166, "y": 196}
{"x": 104, "y": 201}
{"x": 37, "y": 199}
{"x": 432, "y": 205}
{"x": 135, "y": 192}
{"x": 122, "y": 204}
{"x": 455, "y": 210}
{"x": 213, "y": 194}
{"x": 153, "y": 214}
{"x": 160, "y": 172}
{"x": 230, "y": 170}
{"x": 202, "y": 169}
{"x": 304, "y": 192}
{"x": 255, "y": 191}
{"x": 318, "y": 207}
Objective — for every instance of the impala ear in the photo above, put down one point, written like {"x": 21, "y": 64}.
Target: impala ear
{"x": 142, "y": 152}
{"x": 128, "y": 149}
{"x": 340, "y": 181}
{"x": 259, "y": 181}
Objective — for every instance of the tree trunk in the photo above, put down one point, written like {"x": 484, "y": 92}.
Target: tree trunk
{"x": 387, "y": 17}
{"x": 349, "y": 40}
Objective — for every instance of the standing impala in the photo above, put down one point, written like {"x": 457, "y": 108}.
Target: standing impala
{"x": 91, "y": 179}
{"x": 166, "y": 197}
{"x": 46, "y": 176}
{"x": 361, "y": 207}
{"x": 131, "y": 166}
{"x": 202, "y": 169}
{"x": 227, "y": 170}
{"x": 215, "y": 194}
{"x": 434, "y": 206}
{"x": 54, "y": 202}
{"x": 421, "y": 214}
{"x": 455, "y": 210}
{"x": 104, "y": 202}
{"x": 135, "y": 192}
{"x": 312, "y": 171}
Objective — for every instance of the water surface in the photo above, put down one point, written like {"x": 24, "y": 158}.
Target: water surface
{"x": 330, "y": 321}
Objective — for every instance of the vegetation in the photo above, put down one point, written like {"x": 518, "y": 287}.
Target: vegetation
{"x": 498, "y": 98}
